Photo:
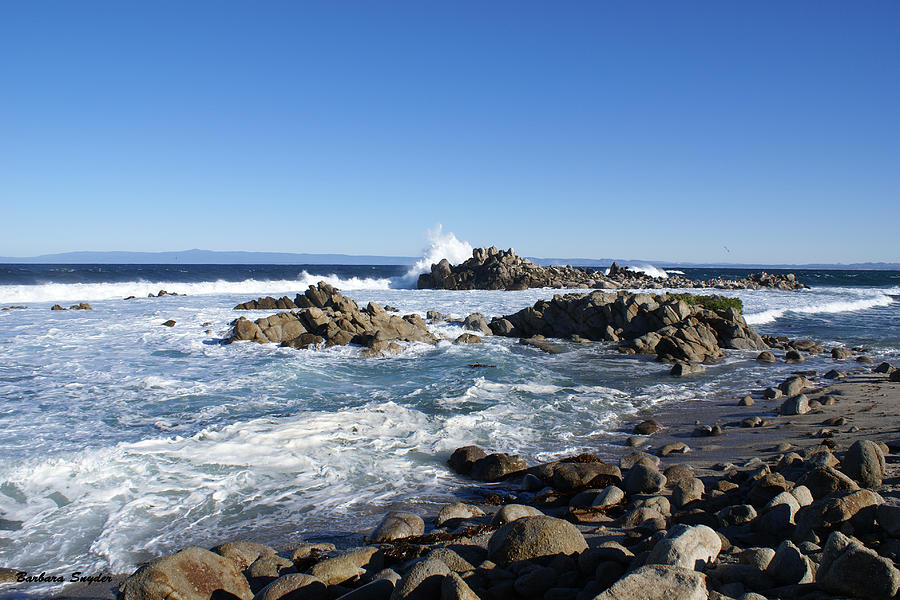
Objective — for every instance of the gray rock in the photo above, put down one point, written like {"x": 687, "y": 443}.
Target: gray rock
{"x": 836, "y": 508}
{"x": 458, "y": 510}
{"x": 462, "y": 459}
{"x": 646, "y": 427}
{"x": 608, "y": 496}
{"x": 687, "y": 491}
{"x": 802, "y": 494}
{"x": 772, "y": 393}
{"x": 795, "y": 405}
{"x": 454, "y": 588}
{"x": 849, "y": 568}
{"x": 512, "y": 512}
{"x": 746, "y": 401}
{"x": 658, "y": 582}
{"x": 888, "y": 515}
{"x": 468, "y": 338}
{"x": 792, "y": 386}
{"x": 674, "y": 448}
{"x": 758, "y": 558}
{"x": 765, "y": 357}
{"x": 453, "y": 560}
{"x": 423, "y": 582}
{"x": 495, "y": 467}
{"x": 864, "y": 462}
{"x": 685, "y": 369}
{"x": 687, "y": 547}
{"x": 632, "y": 458}
{"x": 477, "y": 322}
{"x": 790, "y": 566}
{"x": 535, "y": 581}
{"x": 192, "y": 574}
{"x": 642, "y": 479}
{"x": 294, "y": 585}
{"x": 737, "y": 514}
{"x": 397, "y": 525}
{"x": 531, "y": 537}
{"x": 243, "y": 553}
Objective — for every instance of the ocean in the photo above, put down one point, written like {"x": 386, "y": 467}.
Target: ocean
{"x": 124, "y": 439}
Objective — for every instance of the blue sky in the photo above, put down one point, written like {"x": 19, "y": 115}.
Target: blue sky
{"x": 657, "y": 130}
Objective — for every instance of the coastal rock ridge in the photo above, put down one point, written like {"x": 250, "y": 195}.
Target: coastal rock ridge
{"x": 493, "y": 269}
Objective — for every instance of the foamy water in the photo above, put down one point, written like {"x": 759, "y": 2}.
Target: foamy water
{"x": 124, "y": 439}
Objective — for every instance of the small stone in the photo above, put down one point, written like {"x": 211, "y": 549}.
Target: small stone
{"x": 746, "y": 401}
{"x": 646, "y": 427}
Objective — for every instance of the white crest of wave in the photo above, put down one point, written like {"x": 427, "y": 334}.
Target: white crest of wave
{"x": 647, "y": 269}
{"x": 440, "y": 246}
{"x": 74, "y": 292}
{"x": 837, "y": 306}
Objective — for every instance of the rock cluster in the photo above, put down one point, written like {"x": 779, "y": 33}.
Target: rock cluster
{"x": 493, "y": 269}
{"x": 79, "y": 306}
{"x": 783, "y": 529}
{"x": 325, "y": 316}
{"x": 641, "y": 323}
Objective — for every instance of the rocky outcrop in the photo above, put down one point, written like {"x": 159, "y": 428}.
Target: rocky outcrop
{"x": 325, "y": 316}
{"x": 642, "y": 324}
{"x": 493, "y": 269}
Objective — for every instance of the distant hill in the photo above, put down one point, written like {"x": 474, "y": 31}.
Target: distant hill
{"x": 212, "y": 257}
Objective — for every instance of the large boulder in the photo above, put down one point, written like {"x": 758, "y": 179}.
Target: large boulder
{"x": 864, "y": 462}
{"x": 658, "y": 582}
{"x": 422, "y": 582}
{"x": 533, "y": 537}
{"x": 849, "y": 568}
{"x": 687, "y": 547}
{"x": 497, "y": 466}
{"x": 398, "y": 525}
{"x": 643, "y": 478}
{"x": 192, "y": 574}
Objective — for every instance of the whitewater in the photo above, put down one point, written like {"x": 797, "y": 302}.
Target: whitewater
{"x": 125, "y": 439}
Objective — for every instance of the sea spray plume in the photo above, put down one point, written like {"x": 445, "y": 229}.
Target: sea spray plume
{"x": 440, "y": 245}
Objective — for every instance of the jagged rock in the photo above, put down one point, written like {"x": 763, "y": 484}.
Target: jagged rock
{"x": 325, "y": 315}
{"x": 682, "y": 369}
{"x": 849, "y": 568}
{"x": 192, "y": 574}
{"x": 493, "y": 269}
{"x": 864, "y": 462}
{"x": 772, "y": 393}
{"x": 533, "y": 537}
{"x": 687, "y": 547}
{"x": 643, "y": 324}
{"x": 169, "y": 323}
{"x": 794, "y": 385}
{"x": 468, "y": 338}
{"x": 398, "y": 525}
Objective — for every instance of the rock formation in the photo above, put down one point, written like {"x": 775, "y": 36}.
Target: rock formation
{"x": 493, "y": 269}
{"x": 641, "y": 323}
{"x": 326, "y": 316}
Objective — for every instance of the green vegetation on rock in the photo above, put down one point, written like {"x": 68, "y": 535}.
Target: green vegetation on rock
{"x": 711, "y": 302}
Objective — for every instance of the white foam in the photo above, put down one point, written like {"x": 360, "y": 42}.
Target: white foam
{"x": 832, "y": 307}
{"x": 440, "y": 246}
{"x": 649, "y": 270}
{"x": 71, "y": 292}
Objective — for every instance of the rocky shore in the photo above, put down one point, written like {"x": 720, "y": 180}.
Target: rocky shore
{"x": 792, "y": 506}
{"x": 493, "y": 269}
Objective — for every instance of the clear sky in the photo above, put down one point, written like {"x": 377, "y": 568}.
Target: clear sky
{"x": 658, "y": 130}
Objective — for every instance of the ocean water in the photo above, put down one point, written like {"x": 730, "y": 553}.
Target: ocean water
{"x": 123, "y": 439}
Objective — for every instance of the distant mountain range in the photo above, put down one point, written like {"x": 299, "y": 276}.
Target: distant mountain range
{"x": 212, "y": 257}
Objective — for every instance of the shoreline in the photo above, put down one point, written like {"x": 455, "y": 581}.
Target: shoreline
{"x": 864, "y": 399}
